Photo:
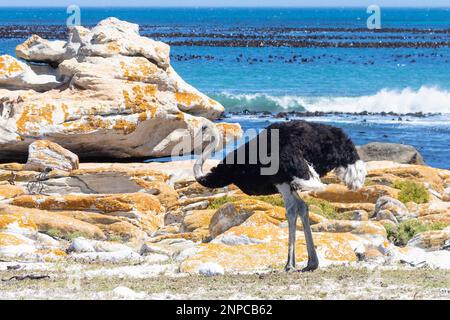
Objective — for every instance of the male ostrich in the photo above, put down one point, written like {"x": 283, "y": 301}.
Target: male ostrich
{"x": 306, "y": 151}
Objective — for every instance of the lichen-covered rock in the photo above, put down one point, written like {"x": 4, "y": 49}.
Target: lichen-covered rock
{"x": 355, "y": 227}
{"x": 234, "y": 214}
{"x": 14, "y": 75}
{"x": 331, "y": 248}
{"x": 196, "y": 219}
{"x": 119, "y": 97}
{"x": 340, "y": 193}
{"x": 8, "y": 191}
{"x": 43, "y": 154}
{"x": 378, "y": 151}
{"x": 46, "y": 222}
{"x": 430, "y": 240}
{"x": 141, "y": 209}
{"x": 38, "y": 49}
{"x": 388, "y": 208}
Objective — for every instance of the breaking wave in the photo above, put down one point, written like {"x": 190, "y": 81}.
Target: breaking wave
{"x": 426, "y": 100}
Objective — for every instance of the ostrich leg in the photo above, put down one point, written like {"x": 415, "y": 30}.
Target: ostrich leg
{"x": 296, "y": 206}
{"x": 303, "y": 211}
{"x": 291, "y": 214}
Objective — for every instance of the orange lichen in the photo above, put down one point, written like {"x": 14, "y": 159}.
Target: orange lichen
{"x": 141, "y": 99}
{"x": 33, "y": 117}
{"x": 9, "y": 66}
{"x": 20, "y": 220}
{"x": 113, "y": 47}
{"x": 65, "y": 110}
{"x": 7, "y": 239}
{"x": 125, "y": 126}
{"x": 90, "y": 123}
{"x": 272, "y": 254}
{"x": 187, "y": 98}
{"x": 142, "y": 202}
{"x": 139, "y": 70}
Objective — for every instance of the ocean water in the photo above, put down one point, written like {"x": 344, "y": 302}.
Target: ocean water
{"x": 297, "y": 59}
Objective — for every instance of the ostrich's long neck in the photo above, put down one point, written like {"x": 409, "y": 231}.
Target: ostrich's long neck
{"x": 198, "y": 166}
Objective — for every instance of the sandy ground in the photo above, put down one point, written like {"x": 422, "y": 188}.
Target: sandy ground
{"x": 160, "y": 281}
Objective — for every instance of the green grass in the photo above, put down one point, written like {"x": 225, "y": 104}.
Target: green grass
{"x": 327, "y": 210}
{"x": 411, "y": 191}
{"x": 58, "y": 234}
{"x": 406, "y": 230}
{"x": 54, "y": 233}
{"x": 275, "y": 200}
{"x": 218, "y": 202}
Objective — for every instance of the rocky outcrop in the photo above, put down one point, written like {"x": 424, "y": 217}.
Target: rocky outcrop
{"x": 155, "y": 213}
{"x": 378, "y": 151}
{"x": 114, "y": 95}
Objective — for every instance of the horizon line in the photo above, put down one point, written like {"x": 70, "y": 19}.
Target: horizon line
{"x": 224, "y": 7}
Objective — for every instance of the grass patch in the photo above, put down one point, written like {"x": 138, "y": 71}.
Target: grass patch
{"x": 406, "y": 230}
{"x": 218, "y": 202}
{"x": 275, "y": 200}
{"x": 54, "y": 233}
{"x": 411, "y": 191}
{"x": 328, "y": 210}
{"x": 58, "y": 234}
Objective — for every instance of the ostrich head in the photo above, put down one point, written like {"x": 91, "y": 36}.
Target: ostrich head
{"x": 352, "y": 175}
{"x": 212, "y": 135}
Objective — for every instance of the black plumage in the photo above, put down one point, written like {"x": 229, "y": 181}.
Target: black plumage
{"x": 324, "y": 147}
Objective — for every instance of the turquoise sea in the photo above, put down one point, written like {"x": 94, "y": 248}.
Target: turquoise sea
{"x": 295, "y": 59}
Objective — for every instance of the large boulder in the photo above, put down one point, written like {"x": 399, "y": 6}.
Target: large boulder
{"x": 117, "y": 96}
{"x": 378, "y": 151}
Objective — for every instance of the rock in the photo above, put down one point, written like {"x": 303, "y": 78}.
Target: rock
{"x": 331, "y": 248}
{"x": 196, "y": 206}
{"x": 46, "y": 221}
{"x": 234, "y": 214}
{"x": 437, "y": 218}
{"x": 43, "y": 154}
{"x": 432, "y": 208}
{"x": 141, "y": 209}
{"x": 387, "y": 208}
{"x": 15, "y": 245}
{"x": 127, "y": 293}
{"x": 417, "y": 257}
{"x": 196, "y": 219}
{"x": 360, "y": 215}
{"x": 210, "y": 269}
{"x": 9, "y": 191}
{"x": 81, "y": 244}
{"x": 340, "y": 193}
{"x": 16, "y": 222}
{"x": 113, "y": 227}
{"x": 430, "y": 240}
{"x": 124, "y": 256}
{"x": 429, "y": 176}
{"x": 355, "y": 227}
{"x": 38, "y": 49}
{"x": 169, "y": 247}
{"x": 14, "y": 75}
{"x": 378, "y": 151}
{"x": 345, "y": 207}
{"x": 119, "y": 97}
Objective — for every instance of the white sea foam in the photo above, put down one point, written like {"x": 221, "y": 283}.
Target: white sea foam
{"x": 426, "y": 99}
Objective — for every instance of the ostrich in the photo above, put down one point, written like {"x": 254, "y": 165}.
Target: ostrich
{"x": 306, "y": 152}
